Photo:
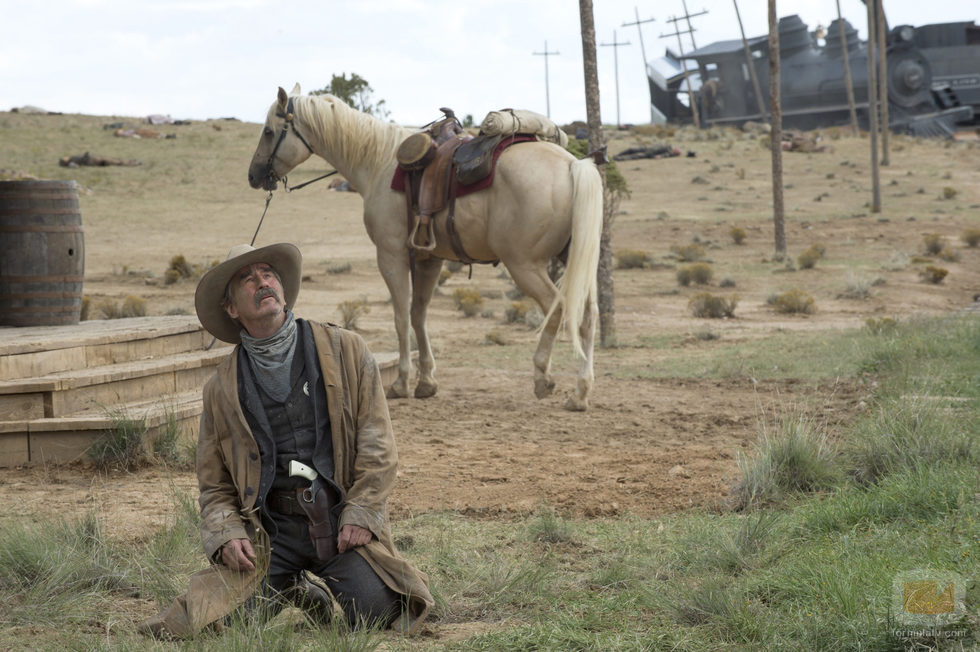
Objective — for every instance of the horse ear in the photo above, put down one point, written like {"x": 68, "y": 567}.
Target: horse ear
{"x": 296, "y": 90}
{"x": 283, "y": 100}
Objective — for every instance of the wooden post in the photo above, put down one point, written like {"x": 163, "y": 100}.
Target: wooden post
{"x": 882, "y": 77}
{"x": 873, "y": 110}
{"x": 606, "y": 299}
{"x": 848, "y": 83}
{"x": 776, "y": 136}
{"x": 751, "y": 64}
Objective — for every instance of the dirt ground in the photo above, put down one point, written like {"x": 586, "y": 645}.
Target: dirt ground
{"x": 484, "y": 445}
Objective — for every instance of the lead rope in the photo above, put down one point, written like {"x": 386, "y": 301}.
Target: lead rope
{"x": 268, "y": 199}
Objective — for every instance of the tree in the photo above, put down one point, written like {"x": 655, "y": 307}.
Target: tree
{"x": 355, "y": 91}
{"x": 607, "y": 309}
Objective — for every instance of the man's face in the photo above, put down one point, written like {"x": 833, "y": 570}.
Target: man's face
{"x": 256, "y": 295}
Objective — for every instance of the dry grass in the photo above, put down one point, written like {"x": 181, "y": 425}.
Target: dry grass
{"x": 352, "y": 311}
{"x": 933, "y": 274}
{"x": 697, "y": 273}
{"x": 971, "y": 237}
{"x": 468, "y": 301}
{"x": 737, "y": 233}
{"x": 631, "y": 259}
{"x": 705, "y": 305}
{"x": 793, "y": 302}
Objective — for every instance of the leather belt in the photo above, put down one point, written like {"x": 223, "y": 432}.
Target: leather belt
{"x": 284, "y": 502}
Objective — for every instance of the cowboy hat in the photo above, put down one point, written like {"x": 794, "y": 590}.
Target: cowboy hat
{"x": 285, "y": 258}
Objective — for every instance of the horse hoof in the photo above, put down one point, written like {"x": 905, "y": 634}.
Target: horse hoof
{"x": 396, "y": 392}
{"x": 573, "y": 404}
{"x": 543, "y": 388}
{"x": 426, "y": 390}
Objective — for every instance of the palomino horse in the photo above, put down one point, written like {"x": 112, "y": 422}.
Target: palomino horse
{"x": 542, "y": 199}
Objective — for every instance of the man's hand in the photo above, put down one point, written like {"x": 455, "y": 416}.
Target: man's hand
{"x": 352, "y": 536}
{"x": 238, "y": 555}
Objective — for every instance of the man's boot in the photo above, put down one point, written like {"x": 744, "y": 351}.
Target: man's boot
{"x": 310, "y": 593}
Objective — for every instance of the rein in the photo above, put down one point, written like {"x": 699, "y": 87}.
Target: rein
{"x": 287, "y": 122}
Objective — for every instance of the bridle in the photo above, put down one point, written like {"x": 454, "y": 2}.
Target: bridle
{"x": 288, "y": 123}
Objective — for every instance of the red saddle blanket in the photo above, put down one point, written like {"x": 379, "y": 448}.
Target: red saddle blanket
{"x": 398, "y": 180}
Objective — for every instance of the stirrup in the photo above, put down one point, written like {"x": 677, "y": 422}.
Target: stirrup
{"x": 423, "y": 223}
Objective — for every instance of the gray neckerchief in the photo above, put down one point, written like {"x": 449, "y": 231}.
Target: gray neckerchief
{"x": 272, "y": 357}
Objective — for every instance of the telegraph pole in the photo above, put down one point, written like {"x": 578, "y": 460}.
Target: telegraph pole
{"x": 848, "y": 84}
{"x": 688, "y": 17}
{"x": 615, "y": 46}
{"x": 547, "y": 92}
{"x": 750, "y": 64}
{"x": 881, "y": 26}
{"x": 873, "y": 109}
{"x": 687, "y": 78}
{"x": 643, "y": 51}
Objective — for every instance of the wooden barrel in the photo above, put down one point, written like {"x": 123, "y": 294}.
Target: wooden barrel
{"x": 42, "y": 253}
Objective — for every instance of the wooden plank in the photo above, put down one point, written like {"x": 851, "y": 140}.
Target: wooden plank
{"x": 61, "y": 446}
{"x": 40, "y": 363}
{"x": 14, "y": 448}
{"x": 17, "y": 407}
{"x": 93, "y": 332}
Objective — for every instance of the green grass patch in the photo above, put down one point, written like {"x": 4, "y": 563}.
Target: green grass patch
{"x": 815, "y": 565}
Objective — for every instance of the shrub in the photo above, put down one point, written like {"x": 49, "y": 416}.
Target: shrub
{"x": 517, "y": 311}
{"x": 737, "y": 234}
{"x": 699, "y": 273}
{"x": 444, "y": 275}
{"x": 706, "y": 305}
{"x": 933, "y": 274}
{"x": 468, "y": 301}
{"x": 933, "y": 243}
{"x": 133, "y": 307}
{"x": 109, "y": 309}
{"x": 793, "y": 302}
{"x": 180, "y": 265}
{"x": 949, "y": 192}
{"x": 631, "y": 259}
{"x": 949, "y": 254}
{"x": 339, "y": 268}
{"x": 808, "y": 259}
{"x": 688, "y": 253}
{"x": 727, "y": 282}
{"x": 971, "y": 237}
{"x": 86, "y": 307}
{"x": 856, "y": 287}
{"x": 171, "y": 276}
{"x": 494, "y": 336}
{"x": 352, "y": 311}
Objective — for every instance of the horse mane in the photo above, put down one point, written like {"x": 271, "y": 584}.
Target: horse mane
{"x": 364, "y": 139}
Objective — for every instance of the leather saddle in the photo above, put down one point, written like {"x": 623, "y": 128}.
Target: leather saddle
{"x": 436, "y": 161}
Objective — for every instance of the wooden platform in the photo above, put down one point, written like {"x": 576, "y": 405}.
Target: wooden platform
{"x": 63, "y": 387}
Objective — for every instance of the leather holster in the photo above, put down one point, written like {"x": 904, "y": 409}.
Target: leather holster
{"x": 322, "y": 519}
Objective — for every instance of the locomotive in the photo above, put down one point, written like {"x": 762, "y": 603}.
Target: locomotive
{"x": 933, "y": 78}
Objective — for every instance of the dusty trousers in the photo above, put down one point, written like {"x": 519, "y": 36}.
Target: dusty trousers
{"x": 364, "y": 597}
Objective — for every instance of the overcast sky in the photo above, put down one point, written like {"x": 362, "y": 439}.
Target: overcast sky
{"x": 199, "y": 59}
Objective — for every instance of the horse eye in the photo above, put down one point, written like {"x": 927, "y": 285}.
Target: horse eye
{"x": 267, "y": 131}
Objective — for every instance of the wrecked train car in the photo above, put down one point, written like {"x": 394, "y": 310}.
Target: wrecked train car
{"x": 933, "y": 84}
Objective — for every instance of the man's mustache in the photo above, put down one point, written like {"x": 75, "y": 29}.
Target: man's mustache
{"x": 266, "y": 292}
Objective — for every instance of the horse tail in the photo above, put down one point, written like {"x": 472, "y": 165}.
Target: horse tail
{"x": 578, "y": 287}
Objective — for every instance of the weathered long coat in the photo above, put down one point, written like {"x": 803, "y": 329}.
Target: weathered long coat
{"x": 229, "y": 469}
